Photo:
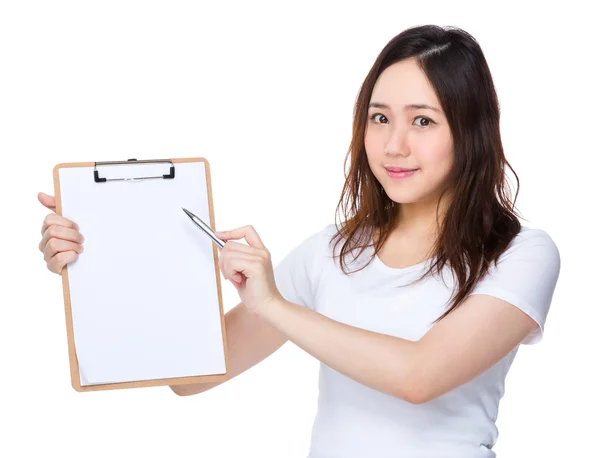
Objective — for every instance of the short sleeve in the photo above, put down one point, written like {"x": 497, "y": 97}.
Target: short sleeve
{"x": 297, "y": 273}
{"x": 526, "y": 276}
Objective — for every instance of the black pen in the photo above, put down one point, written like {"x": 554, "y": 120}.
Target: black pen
{"x": 205, "y": 227}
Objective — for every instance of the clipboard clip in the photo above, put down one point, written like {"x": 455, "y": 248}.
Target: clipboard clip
{"x": 97, "y": 178}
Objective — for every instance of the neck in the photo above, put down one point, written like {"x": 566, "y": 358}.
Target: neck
{"x": 415, "y": 221}
{"x": 419, "y": 219}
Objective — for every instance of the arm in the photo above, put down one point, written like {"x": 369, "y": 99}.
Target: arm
{"x": 249, "y": 341}
{"x": 468, "y": 341}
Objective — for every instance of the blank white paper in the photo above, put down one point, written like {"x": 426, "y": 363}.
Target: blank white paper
{"x": 144, "y": 292}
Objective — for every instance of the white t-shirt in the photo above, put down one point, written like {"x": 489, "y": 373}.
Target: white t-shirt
{"x": 354, "y": 420}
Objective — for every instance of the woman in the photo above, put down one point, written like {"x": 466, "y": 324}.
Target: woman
{"x": 415, "y": 343}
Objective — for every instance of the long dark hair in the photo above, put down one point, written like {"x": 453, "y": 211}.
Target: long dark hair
{"x": 480, "y": 220}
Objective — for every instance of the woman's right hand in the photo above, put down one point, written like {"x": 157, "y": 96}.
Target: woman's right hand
{"x": 61, "y": 241}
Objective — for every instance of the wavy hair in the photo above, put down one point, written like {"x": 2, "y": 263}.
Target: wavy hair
{"x": 480, "y": 221}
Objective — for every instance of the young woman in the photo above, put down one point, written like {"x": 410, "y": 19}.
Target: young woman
{"x": 416, "y": 342}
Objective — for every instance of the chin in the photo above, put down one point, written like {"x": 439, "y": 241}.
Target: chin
{"x": 403, "y": 198}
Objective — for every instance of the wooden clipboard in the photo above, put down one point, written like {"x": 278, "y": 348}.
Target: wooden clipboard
{"x": 97, "y": 178}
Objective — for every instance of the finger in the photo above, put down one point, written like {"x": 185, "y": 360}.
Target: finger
{"x": 57, "y": 263}
{"x": 60, "y": 232}
{"x": 238, "y": 284}
{"x": 59, "y": 220}
{"x": 247, "y": 232}
{"x": 55, "y": 245}
{"x": 246, "y": 267}
{"x": 236, "y": 247}
{"x": 232, "y": 246}
{"x": 47, "y": 201}
{"x": 234, "y": 259}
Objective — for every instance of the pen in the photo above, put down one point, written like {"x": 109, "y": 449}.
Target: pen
{"x": 207, "y": 230}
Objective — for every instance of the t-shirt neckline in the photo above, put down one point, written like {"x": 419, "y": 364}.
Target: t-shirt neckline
{"x": 384, "y": 267}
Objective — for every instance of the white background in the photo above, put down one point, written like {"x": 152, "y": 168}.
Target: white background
{"x": 265, "y": 92}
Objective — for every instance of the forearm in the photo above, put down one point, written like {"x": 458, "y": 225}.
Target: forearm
{"x": 379, "y": 361}
{"x": 192, "y": 388}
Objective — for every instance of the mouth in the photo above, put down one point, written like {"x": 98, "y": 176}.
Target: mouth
{"x": 399, "y": 169}
{"x": 403, "y": 173}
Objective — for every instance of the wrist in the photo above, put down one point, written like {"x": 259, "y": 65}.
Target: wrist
{"x": 270, "y": 308}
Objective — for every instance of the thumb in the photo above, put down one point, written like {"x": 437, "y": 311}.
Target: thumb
{"x": 47, "y": 201}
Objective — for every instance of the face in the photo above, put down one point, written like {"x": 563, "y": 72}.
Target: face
{"x": 411, "y": 138}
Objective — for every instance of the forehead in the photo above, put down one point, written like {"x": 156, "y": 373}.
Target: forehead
{"x": 403, "y": 83}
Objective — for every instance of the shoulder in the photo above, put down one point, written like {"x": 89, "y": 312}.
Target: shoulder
{"x": 525, "y": 276}
{"x": 533, "y": 243}
{"x": 311, "y": 244}
{"x": 529, "y": 266}
{"x": 318, "y": 239}
{"x": 298, "y": 273}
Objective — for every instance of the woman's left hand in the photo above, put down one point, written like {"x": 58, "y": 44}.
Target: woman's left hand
{"x": 249, "y": 268}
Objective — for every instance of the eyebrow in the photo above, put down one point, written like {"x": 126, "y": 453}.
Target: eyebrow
{"x": 413, "y": 106}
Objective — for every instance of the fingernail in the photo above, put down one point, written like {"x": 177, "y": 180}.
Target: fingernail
{"x": 81, "y": 238}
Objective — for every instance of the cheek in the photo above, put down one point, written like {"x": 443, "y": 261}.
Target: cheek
{"x": 372, "y": 145}
{"x": 434, "y": 154}
{"x": 437, "y": 169}
{"x": 444, "y": 160}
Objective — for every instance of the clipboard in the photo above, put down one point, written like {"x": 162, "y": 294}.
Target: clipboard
{"x": 145, "y": 307}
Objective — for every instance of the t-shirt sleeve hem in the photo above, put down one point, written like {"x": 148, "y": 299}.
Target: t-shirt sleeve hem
{"x": 536, "y": 335}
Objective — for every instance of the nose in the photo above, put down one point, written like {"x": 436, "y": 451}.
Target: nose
{"x": 396, "y": 142}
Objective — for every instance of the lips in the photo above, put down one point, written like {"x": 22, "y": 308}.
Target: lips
{"x": 398, "y": 169}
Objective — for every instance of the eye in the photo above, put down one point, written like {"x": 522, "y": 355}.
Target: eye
{"x": 372, "y": 118}
{"x": 427, "y": 119}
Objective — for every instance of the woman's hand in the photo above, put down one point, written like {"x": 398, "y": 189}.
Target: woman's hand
{"x": 61, "y": 241}
{"x": 249, "y": 268}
